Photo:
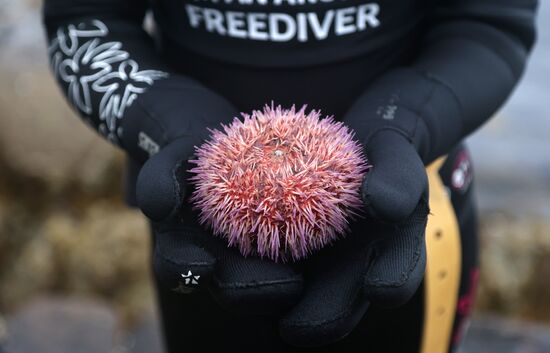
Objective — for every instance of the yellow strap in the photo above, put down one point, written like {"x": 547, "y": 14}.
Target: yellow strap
{"x": 443, "y": 268}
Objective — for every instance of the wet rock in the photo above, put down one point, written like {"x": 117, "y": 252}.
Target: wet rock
{"x": 30, "y": 273}
{"x": 145, "y": 338}
{"x": 104, "y": 252}
{"x": 62, "y": 326}
{"x": 3, "y": 332}
{"x": 515, "y": 258}
{"x": 495, "y": 335}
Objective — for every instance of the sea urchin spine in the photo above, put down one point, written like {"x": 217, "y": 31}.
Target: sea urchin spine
{"x": 279, "y": 183}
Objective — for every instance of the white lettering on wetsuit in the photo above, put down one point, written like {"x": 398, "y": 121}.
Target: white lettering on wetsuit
{"x": 283, "y": 27}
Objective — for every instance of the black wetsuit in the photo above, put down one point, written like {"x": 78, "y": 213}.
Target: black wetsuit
{"x": 200, "y": 325}
{"x": 440, "y": 70}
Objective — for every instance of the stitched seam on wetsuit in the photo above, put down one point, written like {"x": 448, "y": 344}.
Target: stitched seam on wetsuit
{"x": 339, "y": 316}
{"x": 178, "y": 193}
{"x": 376, "y": 282}
{"x": 406, "y": 274}
{"x": 255, "y": 284}
{"x": 172, "y": 262}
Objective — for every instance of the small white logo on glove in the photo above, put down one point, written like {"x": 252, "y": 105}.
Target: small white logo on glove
{"x": 190, "y": 278}
{"x": 189, "y": 281}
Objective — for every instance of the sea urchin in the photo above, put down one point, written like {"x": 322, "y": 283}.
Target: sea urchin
{"x": 279, "y": 184}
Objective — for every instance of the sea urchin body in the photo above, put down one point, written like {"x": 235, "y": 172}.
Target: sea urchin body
{"x": 280, "y": 183}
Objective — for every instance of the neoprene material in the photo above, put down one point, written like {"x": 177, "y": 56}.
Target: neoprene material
{"x": 193, "y": 323}
{"x": 381, "y": 263}
{"x": 411, "y": 79}
{"x": 107, "y": 66}
{"x": 434, "y": 70}
{"x": 187, "y": 257}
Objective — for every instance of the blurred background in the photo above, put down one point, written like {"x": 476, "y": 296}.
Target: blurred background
{"x": 73, "y": 255}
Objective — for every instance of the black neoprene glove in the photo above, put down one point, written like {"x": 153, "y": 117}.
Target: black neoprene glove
{"x": 381, "y": 261}
{"x": 187, "y": 257}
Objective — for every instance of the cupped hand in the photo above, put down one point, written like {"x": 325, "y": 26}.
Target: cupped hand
{"x": 187, "y": 256}
{"x": 382, "y": 260}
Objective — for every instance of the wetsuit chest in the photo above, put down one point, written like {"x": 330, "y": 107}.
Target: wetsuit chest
{"x": 320, "y": 52}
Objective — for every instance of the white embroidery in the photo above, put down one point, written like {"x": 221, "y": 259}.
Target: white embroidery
{"x": 120, "y": 88}
{"x": 80, "y": 59}
{"x": 67, "y": 41}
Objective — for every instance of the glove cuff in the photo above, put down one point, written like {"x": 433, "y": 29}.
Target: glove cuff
{"x": 406, "y": 101}
{"x": 175, "y": 107}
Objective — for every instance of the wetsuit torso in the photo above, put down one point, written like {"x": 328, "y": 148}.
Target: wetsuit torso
{"x": 317, "y": 52}
{"x": 435, "y": 69}
{"x": 441, "y": 67}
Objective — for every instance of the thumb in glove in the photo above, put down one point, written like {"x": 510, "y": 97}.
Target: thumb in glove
{"x": 381, "y": 262}
{"x": 186, "y": 256}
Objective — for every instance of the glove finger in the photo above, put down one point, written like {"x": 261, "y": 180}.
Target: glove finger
{"x": 161, "y": 185}
{"x": 392, "y": 188}
{"x": 179, "y": 263}
{"x": 252, "y": 285}
{"x": 399, "y": 260}
{"x": 333, "y": 302}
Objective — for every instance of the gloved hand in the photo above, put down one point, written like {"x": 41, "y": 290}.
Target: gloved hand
{"x": 186, "y": 256}
{"x": 381, "y": 262}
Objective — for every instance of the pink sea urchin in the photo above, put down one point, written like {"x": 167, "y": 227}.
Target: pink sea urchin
{"x": 279, "y": 184}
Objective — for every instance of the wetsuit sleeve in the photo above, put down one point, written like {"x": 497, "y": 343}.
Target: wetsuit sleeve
{"x": 108, "y": 68}
{"x": 473, "y": 53}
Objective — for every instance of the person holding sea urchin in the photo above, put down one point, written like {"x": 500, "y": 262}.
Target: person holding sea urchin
{"x": 411, "y": 78}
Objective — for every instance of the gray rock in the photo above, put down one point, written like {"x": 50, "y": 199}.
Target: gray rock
{"x": 495, "y": 335}
{"x": 61, "y": 326}
{"x": 146, "y": 338}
